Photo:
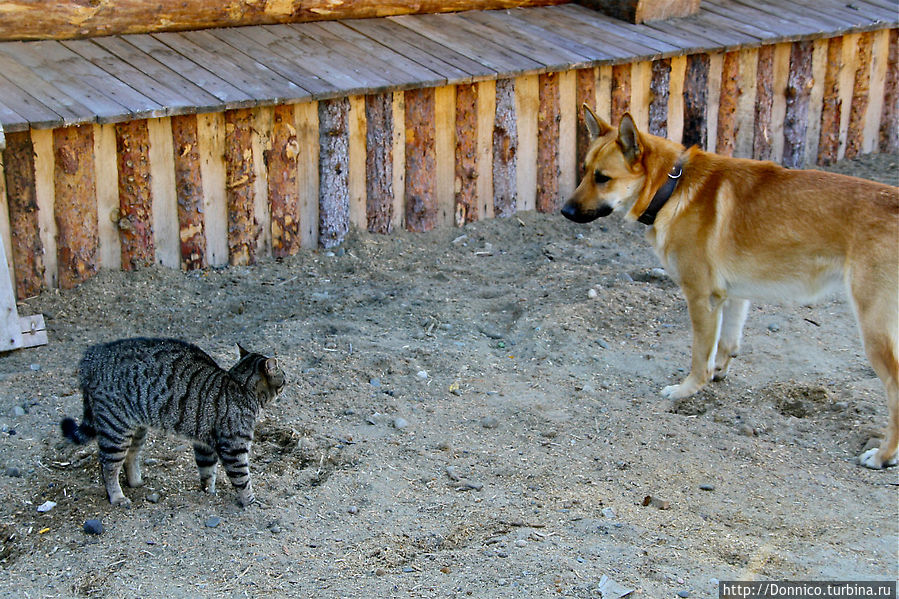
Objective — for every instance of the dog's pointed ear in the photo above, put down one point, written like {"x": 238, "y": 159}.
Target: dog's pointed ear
{"x": 629, "y": 139}
{"x": 595, "y": 125}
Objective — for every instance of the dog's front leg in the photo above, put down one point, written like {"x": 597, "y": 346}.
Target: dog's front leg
{"x": 705, "y": 315}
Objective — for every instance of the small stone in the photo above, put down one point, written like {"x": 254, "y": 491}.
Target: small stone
{"x": 490, "y": 422}
{"x": 408, "y": 569}
{"x": 153, "y": 497}
{"x": 521, "y": 543}
{"x": 352, "y": 510}
{"x": 747, "y": 430}
{"x": 274, "y": 529}
{"x": 502, "y": 554}
{"x": 93, "y": 527}
{"x": 18, "y": 411}
{"x": 422, "y": 374}
{"x": 374, "y": 383}
{"x": 774, "y": 327}
{"x": 706, "y": 487}
{"x": 683, "y": 594}
{"x": 588, "y": 389}
{"x": 213, "y": 521}
{"x": 608, "y": 512}
{"x": 444, "y": 446}
{"x": 591, "y": 293}
{"x": 602, "y": 343}
{"x": 35, "y": 367}
{"x": 46, "y": 506}
{"x": 13, "y": 472}
{"x": 400, "y": 423}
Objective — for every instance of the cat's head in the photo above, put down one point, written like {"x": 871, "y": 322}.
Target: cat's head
{"x": 260, "y": 374}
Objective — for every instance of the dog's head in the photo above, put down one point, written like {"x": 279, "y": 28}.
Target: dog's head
{"x": 614, "y": 175}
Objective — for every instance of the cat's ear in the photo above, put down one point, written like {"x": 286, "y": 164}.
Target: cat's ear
{"x": 271, "y": 366}
{"x": 243, "y": 353}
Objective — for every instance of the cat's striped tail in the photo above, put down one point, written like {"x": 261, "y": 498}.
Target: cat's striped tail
{"x": 77, "y": 433}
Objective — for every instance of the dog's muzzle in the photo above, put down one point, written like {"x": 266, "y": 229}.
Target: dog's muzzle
{"x": 572, "y": 212}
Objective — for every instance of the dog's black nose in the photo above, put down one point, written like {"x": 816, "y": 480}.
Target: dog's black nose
{"x": 568, "y": 211}
{"x": 572, "y": 212}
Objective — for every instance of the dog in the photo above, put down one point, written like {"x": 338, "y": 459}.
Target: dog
{"x": 729, "y": 230}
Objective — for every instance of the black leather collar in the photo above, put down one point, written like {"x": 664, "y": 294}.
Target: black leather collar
{"x": 663, "y": 194}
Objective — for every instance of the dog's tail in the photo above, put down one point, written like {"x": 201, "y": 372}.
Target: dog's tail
{"x": 77, "y": 433}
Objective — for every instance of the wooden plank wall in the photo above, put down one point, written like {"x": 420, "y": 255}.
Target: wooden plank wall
{"x": 261, "y": 183}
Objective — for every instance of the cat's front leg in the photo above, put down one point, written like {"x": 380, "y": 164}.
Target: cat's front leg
{"x": 207, "y": 460}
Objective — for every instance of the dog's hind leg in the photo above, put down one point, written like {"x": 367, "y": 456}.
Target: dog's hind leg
{"x": 705, "y": 316}
{"x": 733, "y": 318}
{"x": 878, "y": 319}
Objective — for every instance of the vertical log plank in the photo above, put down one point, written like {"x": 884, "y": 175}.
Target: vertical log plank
{"x": 75, "y": 206}
{"x": 398, "y": 109}
{"x": 676, "y": 98}
{"x": 505, "y": 150}
{"x": 107, "y": 176}
{"x": 445, "y": 153}
{"x": 585, "y": 94}
{"x": 568, "y": 109}
{"x": 25, "y": 245}
{"x": 379, "y": 163}
{"x": 621, "y": 91}
{"x": 696, "y": 89}
{"x": 421, "y": 163}
{"x": 334, "y": 159}
{"x": 763, "y": 144}
{"x": 798, "y": 93}
{"x": 283, "y": 186}
{"x": 847, "y": 87}
{"x": 5, "y": 231}
{"x": 308, "y": 171}
{"x": 548, "y": 116}
{"x": 211, "y": 138}
{"x": 527, "y": 103}
{"x": 713, "y": 100}
{"x": 889, "y": 117}
{"x": 779, "y": 99}
{"x": 165, "y": 199}
{"x": 641, "y": 81}
{"x": 829, "y": 142}
{"x": 486, "y": 119}
{"x": 240, "y": 190}
{"x": 466, "y": 168}
{"x": 880, "y": 48}
{"x": 658, "y": 93}
{"x": 728, "y": 101}
{"x": 861, "y": 90}
{"x": 189, "y": 192}
{"x": 357, "y": 165}
{"x": 816, "y": 100}
{"x": 262, "y": 211}
{"x": 135, "y": 219}
{"x": 45, "y": 192}
{"x": 604, "y": 93}
{"x": 745, "y": 119}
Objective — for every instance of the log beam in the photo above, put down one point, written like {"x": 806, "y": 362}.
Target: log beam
{"x": 859, "y": 106}
{"x": 696, "y": 91}
{"x": 189, "y": 192}
{"x": 283, "y": 187}
{"x": 829, "y": 142}
{"x": 379, "y": 196}
{"x": 641, "y": 11}
{"x": 135, "y": 218}
{"x": 585, "y": 93}
{"x": 240, "y": 191}
{"x": 889, "y": 118}
{"x": 799, "y": 88}
{"x": 421, "y": 164}
{"x": 78, "y": 240}
{"x": 333, "y": 173}
{"x": 548, "y": 120}
{"x": 466, "y": 182}
{"x": 505, "y": 150}
{"x": 27, "y": 249}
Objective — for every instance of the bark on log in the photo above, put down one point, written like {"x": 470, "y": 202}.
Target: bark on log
{"x": 696, "y": 91}
{"x": 283, "y": 187}
{"x": 27, "y": 249}
{"x": 889, "y": 118}
{"x": 859, "y": 108}
{"x": 585, "y": 93}
{"x": 66, "y": 19}
{"x": 379, "y": 162}
{"x": 333, "y": 171}
{"x": 640, "y": 11}
{"x": 731, "y": 91}
{"x": 799, "y": 89}
{"x": 189, "y": 191}
{"x": 621, "y": 91}
{"x": 466, "y": 183}
{"x": 135, "y": 220}
{"x": 548, "y": 117}
{"x": 659, "y": 87}
{"x": 239, "y": 189}
{"x": 763, "y": 144}
{"x": 421, "y": 163}
{"x": 505, "y": 150}
{"x": 75, "y": 206}
{"x": 829, "y": 141}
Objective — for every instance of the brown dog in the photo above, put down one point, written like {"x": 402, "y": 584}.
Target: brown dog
{"x": 729, "y": 230}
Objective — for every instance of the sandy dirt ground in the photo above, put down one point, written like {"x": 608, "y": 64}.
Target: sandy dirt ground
{"x": 463, "y": 417}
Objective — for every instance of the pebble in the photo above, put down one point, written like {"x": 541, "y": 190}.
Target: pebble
{"x": 591, "y": 293}
{"x": 352, "y": 510}
{"x": 46, "y": 506}
{"x": 408, "y": 569}
{"x": 422, "y": 374}
{"x": 93, "y": 527}
{"x": 521, "y": 543}
{"x": 602, "y": 343}
{"x": 774, "y": 327}
{"x": 658, "y": 273}
{"x": 589, "y": 389}
{"x": 706, "y": 487}
{"x": 374, "y": 383}
{"x": 490, "y": 422}
{"x": 747, "y": 430}
{"x": 13, "y": 471}
{"x": 608, "y": 512}
{"x": 213, "y": 521}
{"x": 18, "y": 411}
{"x": 153, "y": 497}
{"x": 683, "y": 594}
{"x": 400, "y": 423}
{"x": 35, "y": 367}
{"x": 275, "y": 529}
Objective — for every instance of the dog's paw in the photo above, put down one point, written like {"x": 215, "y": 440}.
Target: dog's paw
{"x": 871, "y": 459}
{"x": 678, "y": 391}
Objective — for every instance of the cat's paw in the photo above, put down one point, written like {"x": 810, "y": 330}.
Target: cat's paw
{"x": 243, "y": 500}
{"x": 121, "y": 501}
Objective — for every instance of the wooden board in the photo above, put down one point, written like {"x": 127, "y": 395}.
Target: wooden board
{"x": 379, "y": 189}
{"x": 421, "y": 166}
{"x": 188, "y": 167}
{"x": 261, "y": 143}
{"x": 829, "y": 142}
{"x": 465, "y": 187}
{"x": 76, "y": 220}
{"x": 306, "y": 115}
{"x": 696, "y": 88}
{"x": 135, "y": 218}
{"x": 333, "y": 171}
{"x": 283, "y": 184}
{"x": 162, "y": 184}
{"x": 486, "y": 119}
{"x": 889, "y": 117}
{"x": 211, "y": 148}
{"x": 505, "y": 150}
{"x": 357, "y": 131}
{"x": 240, "y": 189}
{"x": 861, "y": 91}
{"x": 45, "y": 198}
{"x": 527, "y": 103}
{"x": 106, "y": 166}
{"x": 445, "y": 154}
{"x": 548, "y": 117}
{"x": 26, "y": 248}
{"x": 659, "y": 86}
{"x": 878, "y": 82}
{"x": 568, "y": 115}
{"x": 798, "y": 96}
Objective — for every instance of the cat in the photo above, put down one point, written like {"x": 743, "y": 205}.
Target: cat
{"x": 131, "y": 385}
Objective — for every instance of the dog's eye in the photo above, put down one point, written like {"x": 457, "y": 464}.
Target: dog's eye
{"x": 599, "y": 178}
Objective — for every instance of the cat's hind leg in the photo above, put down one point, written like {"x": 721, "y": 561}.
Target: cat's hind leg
{"x": 235, "y": 457}
{"x": 206, "y": 461}
{"x": 132, "y": 458}
{"x": 112, "y": 451}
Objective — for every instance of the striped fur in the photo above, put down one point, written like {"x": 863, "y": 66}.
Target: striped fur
{"x": 131, "y": 385}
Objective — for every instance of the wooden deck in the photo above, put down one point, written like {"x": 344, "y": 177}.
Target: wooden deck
{"x": 50, "y": 84}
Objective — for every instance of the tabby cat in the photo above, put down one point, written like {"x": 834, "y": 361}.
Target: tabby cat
{"x": 134, "y": 384}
